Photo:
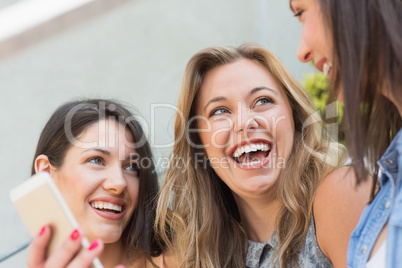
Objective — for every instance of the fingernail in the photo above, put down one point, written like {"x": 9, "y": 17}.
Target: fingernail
{"x": 120, "y": 266}
{"x": 42, "y": 231}
{"x": 94, "y": 245}
{"x": 75, "y": 234}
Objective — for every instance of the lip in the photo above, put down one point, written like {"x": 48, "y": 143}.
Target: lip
{"x": 112, "y": 200}
{"x": 320, "y": 64}
{"x": 262, "y": 164}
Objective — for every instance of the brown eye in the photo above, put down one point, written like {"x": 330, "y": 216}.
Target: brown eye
{"x": 133, "y": 167}
{"x": 96, "y": 160}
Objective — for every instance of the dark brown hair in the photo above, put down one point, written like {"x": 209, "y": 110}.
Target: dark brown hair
{"x": 71, "y": 120}
{"x": 367, "y": 59}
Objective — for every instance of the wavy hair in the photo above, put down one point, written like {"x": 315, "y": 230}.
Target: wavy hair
{"x": 200, "y": 209}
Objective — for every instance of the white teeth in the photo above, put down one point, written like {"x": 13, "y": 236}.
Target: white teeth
{"x": 327, "y": 67}
{"x": 106, "y": 205}
{"x": 254, "y": 147}
{"x": 250, "y": 163}
{"x": 247, "y": 149}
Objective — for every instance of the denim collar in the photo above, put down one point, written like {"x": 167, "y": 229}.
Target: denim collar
{"x": 389, "y": 161}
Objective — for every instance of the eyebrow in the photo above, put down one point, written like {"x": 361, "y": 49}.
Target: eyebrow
{"x": 221, "y": 98}
{"x": 290, "y": 6}
{"x": 256, "y": 89}
{"x": 252, "y": 92}
{"x": 99, "y": 150}
{"x": 128, "y": 158}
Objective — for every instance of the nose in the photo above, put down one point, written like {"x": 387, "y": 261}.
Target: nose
{"x": 245, "y": 121}
{"x": 304, "y": 53}
{"x": 115, "y": 182}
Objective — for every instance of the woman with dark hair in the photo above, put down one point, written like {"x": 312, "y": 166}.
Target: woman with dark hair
{"x": 358, "y": 44}
{"x": 98, "y": 155}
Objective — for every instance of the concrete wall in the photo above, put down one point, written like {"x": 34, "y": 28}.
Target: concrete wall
{"x": 135, "y": 53}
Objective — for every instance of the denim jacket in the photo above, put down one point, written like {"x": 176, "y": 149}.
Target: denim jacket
{"x": 386, "y": 207}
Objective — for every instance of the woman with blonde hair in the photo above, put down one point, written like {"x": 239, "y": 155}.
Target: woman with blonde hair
{"x": 253, "y": 180}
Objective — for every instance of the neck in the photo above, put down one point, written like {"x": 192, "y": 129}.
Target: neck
{"x": 258, "y": 217}
{"x": 395, "y": 100}
{"x": 399, "y": 107}
{"x": 114, "y": 254}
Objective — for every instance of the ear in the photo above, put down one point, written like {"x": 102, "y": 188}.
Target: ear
{"x": 42, "y": 163}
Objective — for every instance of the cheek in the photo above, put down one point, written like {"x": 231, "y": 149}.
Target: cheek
{"x": 284, "y": 133}
{"x": 317, "y": 37}
{"x": 220, "y": 135}
{"x": 216, "y": 135}
{"x": 133, "y": 186}
{"x": 309, "y": 34}
{"x": 74, "y": 194}
{"x": 66, "y": 186}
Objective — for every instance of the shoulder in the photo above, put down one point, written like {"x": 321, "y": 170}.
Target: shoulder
{"x": 337, "y": 207}
{"x": 340, "y": 180}
{"x": 340, "y": 185}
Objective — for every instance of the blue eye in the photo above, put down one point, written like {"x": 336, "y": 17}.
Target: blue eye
{"x": 133, "y": 167}
{"x": 218, "y": 111}
{"x": 96, "y": 160}
{"x": 264, "y": 100}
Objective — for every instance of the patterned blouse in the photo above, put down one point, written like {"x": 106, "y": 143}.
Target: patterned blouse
{"x": 310, "y": 255}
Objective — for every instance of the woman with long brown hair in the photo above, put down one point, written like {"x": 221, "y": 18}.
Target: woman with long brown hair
{"x": 251, "y": 182}
{"x": 358, "y": 44}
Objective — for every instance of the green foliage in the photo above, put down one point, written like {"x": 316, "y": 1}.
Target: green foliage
{"x": 317, "y": 86}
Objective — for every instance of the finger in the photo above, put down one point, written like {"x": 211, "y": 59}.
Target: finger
{"x": 86, "y": 256}
{"x": 37, "y": 248}
{"x": 62, "y": 256}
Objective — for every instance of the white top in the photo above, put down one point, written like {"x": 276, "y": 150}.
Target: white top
{"x": 378, "y": 259}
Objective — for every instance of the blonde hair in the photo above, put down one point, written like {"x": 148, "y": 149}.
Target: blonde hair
{"x": 202, "y": 215}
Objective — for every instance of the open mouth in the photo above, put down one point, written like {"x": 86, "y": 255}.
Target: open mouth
{"x": 326, "y": 68}
{"x": 107, "y": 207}
{"x": 252, "y": 153}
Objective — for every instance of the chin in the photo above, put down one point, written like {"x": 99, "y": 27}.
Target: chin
{"x": 108, "y": 234}
{"x": 261, "y": 187}
{"x": 110, "y": 240}
{"x": 111, "y": 237}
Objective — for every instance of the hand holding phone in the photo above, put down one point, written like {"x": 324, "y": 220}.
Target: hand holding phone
{"x": 40, "y": 203}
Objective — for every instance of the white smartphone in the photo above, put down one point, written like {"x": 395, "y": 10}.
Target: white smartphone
{"x": 39, "y": 203}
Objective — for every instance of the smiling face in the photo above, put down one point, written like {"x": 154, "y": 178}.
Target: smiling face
{"x": 100, "y": 182}
{"x": 246, "y": 126}
{"x": 315, "y": 41}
